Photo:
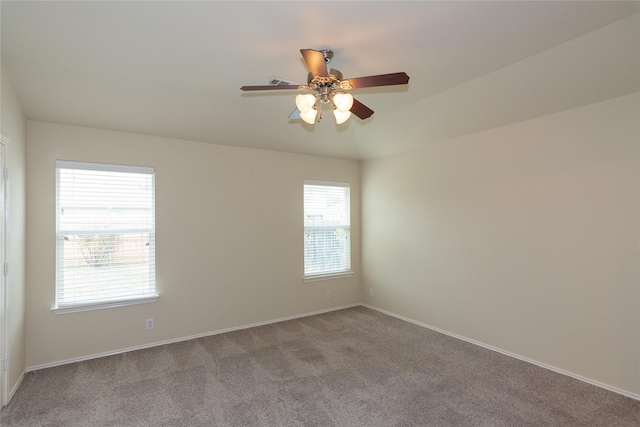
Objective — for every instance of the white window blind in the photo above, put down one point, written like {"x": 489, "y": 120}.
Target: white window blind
{"x": 105, "y": 227}
{"x": 327, "y": 247}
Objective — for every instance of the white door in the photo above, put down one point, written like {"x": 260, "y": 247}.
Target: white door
{"x": 3, "y": 279}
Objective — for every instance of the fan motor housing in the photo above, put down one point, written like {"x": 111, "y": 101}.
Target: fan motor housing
{"x": 334, "y": 75}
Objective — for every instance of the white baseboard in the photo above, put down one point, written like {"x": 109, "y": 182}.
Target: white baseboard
{"x": 515, "y": 356}
{"x": 13, "y": 390}
{"x": 424, "y": 325}
{"x": 176, "y": 340}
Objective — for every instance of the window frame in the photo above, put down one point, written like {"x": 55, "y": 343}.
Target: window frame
{"x": 326, "y": 275}
{"x": 112, "y": 300}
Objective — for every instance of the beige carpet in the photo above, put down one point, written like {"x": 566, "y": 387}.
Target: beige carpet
{"x": 353, "y": 367}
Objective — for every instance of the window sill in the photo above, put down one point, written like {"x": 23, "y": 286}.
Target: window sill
{"x": 99, "y": 306}
{"x": 330, "y": 276}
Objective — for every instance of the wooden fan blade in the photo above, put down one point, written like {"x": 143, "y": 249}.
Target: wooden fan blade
{"x": 281, "y": 87}
{"x": 360, "y": 110}
{"x": 379, "y": 80}
{"x": 315, "y": 62}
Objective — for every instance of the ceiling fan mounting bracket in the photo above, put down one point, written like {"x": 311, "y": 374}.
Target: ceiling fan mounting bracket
{"x": 328, "y": 55}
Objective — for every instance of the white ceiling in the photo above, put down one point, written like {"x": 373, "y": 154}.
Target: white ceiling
{"x": 174, "y": 69}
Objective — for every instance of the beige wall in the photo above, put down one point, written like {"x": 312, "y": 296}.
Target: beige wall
{"x": 525, "y": 238}
{"x": 13, "y": 126}
{"x": 228, "y": 233}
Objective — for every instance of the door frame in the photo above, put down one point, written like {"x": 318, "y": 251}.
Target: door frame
{"x": 4, "y": 277}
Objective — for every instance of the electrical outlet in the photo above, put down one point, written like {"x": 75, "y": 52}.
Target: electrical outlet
{"x": 149, "y": 323}
{"x": 328, "y": 294}
{"x": 370, "y": 292}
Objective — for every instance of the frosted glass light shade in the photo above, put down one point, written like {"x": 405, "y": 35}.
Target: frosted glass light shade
{"x": 341, "y": 116}
{"x": 343, "y": 101}
{"x": 309, "y": 116}
{"x": 305, "y": 102}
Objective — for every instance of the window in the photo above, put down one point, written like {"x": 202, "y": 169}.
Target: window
{"x": 327, "y": 223}
{"x": 105, "y": 229}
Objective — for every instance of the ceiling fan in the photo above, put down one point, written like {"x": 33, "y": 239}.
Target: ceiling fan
{"x": 329, "y": 86}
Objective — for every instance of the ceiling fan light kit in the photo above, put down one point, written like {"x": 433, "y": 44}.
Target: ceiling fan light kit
{"x": 343, "y": 101}
{"x": 341, "y": 116}
{"x": 306, "y": 104}
{"x": 309, "y": 116}
{"x": 329, "y": 87}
